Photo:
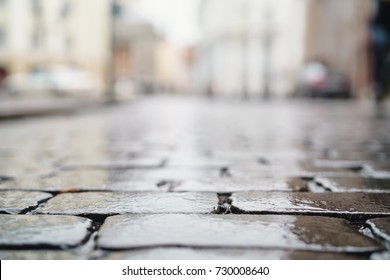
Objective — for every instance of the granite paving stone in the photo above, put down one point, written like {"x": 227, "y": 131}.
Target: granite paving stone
{"x": 110, "y": 203}
{"x": 42, "y": 231}
{"x": 340, "y": 164}
{"x": 354, "y": 184}
{"x": 226, "y": 185}
{"x": 139, "y": 163}
{"x": 328, "y": 167}
{"x": 381, "y": 227}
{"x": 15, "y": 202}
{"x": 259, "y": 171}
{"x": 342, "y": 204}
{"x": 169, "y": 253}
{"x": 251, "y": 231}
{"x": 18, "y": 166}
{"x": 87, "y": 180}
{"x": 195, "y": 162}
{"x": 182, "y": 173}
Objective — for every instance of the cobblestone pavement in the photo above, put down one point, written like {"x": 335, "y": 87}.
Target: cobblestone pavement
{"x": 171, "y": 178}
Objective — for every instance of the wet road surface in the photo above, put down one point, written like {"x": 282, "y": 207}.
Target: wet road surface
{"x": 175, "y": 178}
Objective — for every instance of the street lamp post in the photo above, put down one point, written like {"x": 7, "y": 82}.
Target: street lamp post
{"x": 245, "y": 49}
{"x": 267, "y": 51}
{"x": 110, "y": 90}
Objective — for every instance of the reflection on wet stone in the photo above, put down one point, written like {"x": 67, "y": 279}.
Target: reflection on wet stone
{"x": 109, "y": 203}
{"x": 354, "y": 184}
{"x": 287, "y": 232}
{"x": 42, "y": 231}
{"x": 335, "y": 204}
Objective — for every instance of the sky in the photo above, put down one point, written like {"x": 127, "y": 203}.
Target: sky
{"x": 177, "y": 19}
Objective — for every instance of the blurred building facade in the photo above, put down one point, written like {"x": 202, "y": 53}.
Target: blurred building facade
{"x": 105, "y": 37}
{"x": 37, "y": 33}
{"x": 257, "y": 48}
{"x": 338, "y": 34}
{"x": 250, "y": 48}
{"x": 135, "y": 52}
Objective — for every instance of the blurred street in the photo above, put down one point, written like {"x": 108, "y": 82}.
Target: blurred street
{"x": 194, "y": 129}
{"x": 166, "y": 177}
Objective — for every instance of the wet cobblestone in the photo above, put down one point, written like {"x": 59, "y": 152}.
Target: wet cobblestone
{"x": 221, "y": 180}
{"x": 354, "y": 184}
{"x": 26, "y": 231}
{"x": 287, "y": 232}
{"x": 16, "y": 202}
{"x": 348, "y": 205}
{"x": 112, "y": 203}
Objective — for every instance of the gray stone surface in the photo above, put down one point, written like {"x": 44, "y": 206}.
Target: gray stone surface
{"x": 15, "y": 202}
{"x": 381, "y": 227}
{"x": 42, "y": 231}
{"x": 109, "y": 203}
{"x": 226, "y": 254}
{"x": 347, "y": 204}
{"x": 287, "y": 232}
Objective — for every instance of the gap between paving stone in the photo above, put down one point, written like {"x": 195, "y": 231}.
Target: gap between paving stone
{"x": 19, "y": 202}
{"x": 380, "y": 227}
{"x": 310, "y": 204}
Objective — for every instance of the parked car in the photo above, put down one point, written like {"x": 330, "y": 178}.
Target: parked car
{"x": 60, "y": 80}
{"x": 318, "y": 80}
